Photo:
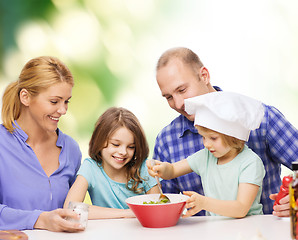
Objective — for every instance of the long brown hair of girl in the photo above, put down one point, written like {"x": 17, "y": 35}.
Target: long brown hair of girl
{"x": 111, "y": 120}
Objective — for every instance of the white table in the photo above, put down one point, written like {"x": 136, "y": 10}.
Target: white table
{"x": 198, "y": 228}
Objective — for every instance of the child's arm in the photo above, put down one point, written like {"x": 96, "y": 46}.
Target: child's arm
{"x": 167, "y": 170}
{"x": 77, "y": 194}
{"x": 234, "y": 208}
{"x": 97, "y": 212}
{"x": 153, "y": 190}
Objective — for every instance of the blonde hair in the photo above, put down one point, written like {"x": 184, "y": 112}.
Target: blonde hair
{"x": 109, "y": 122}
{"x": 186, "y": 55}
{"x": 227, "y": 140}
{"x": 37, "y": 75}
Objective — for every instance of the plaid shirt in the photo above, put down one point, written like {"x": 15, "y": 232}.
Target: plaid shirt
{"x": 276, "y": 142}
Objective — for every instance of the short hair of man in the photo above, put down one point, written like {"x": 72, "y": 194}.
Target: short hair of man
{"x": 185, "y": 55}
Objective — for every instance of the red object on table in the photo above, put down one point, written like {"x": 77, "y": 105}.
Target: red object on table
{"x": 13, "y": 235}
{"x": 284, "y": 188}
{"x": 157, "y": 215}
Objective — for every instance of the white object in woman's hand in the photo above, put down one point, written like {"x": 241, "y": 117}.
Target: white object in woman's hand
{"x": 56, "y": 221}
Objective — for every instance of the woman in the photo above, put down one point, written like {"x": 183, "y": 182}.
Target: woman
{"x": 38, "y": 162}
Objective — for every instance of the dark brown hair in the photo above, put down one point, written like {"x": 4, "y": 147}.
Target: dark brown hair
{"x": 110, "y": 121}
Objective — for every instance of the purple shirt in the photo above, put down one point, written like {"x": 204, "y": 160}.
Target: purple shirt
{"x": 25, "y": 189}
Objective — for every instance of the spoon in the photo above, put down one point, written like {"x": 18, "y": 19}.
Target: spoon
{"x": 162, "y": 197}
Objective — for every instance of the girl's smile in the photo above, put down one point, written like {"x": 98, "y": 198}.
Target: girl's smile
{"x": 119, "y": 151}
{"x": 119, "y": 159}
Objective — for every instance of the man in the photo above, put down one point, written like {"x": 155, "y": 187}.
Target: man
{"x": 180, "y": 74}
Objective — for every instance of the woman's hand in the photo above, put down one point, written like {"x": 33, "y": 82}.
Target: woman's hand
{"x": 283, "y": 208}
{"x": 56, "y": 221}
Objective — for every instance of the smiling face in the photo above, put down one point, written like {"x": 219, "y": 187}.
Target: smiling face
{"x": 44, "y": 110}
{"x": 119, "y": 151}
{"x": 178, "y": 81}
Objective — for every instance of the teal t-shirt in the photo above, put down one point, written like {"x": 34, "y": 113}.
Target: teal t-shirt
{"x": 104, "y": 191}
{"x": 221, "y": 181}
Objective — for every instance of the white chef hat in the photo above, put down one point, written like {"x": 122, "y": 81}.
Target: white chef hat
{"x": 225, "y": 112}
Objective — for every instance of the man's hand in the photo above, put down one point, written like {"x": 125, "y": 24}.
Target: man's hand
{"x": 283, "y": 209}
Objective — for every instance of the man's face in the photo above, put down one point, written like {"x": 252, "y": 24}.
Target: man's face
{"x": 177, "y": 82}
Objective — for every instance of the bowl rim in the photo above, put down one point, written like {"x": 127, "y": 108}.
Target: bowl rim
{"x": 185, "y": 197}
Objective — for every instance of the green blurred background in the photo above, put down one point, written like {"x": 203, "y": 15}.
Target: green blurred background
{"x": 112, "y": 46}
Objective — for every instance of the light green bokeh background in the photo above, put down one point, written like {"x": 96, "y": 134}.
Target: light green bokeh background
{"x": 112, "y": 46}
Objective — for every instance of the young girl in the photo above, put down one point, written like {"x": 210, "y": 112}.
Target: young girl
{"x": 231, "y": 173}
{"x": 116, "y": 168}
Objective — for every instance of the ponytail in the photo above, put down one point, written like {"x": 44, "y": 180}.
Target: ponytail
{"x": 11, "y": 106}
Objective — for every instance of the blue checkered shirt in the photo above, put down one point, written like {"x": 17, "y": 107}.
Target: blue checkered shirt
{"x": 276, "y": 142}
